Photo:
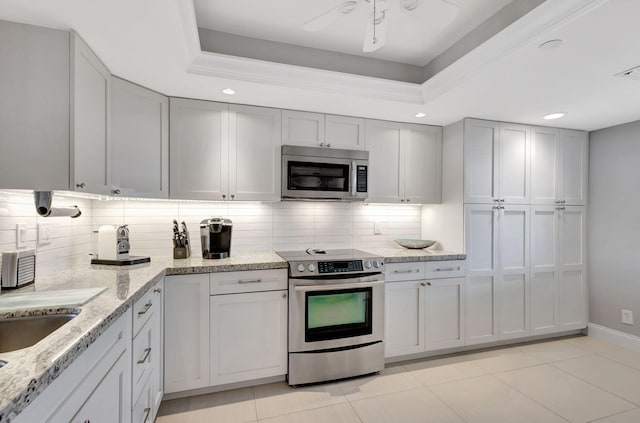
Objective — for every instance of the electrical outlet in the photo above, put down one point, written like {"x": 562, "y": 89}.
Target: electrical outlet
{"x": 44, "y": 233}
{"x": 627, "y": 317}
{"x": 377, "y": 228}
{"x": 21, "y": 235}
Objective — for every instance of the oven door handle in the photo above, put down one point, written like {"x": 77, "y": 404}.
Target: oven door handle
{"x": 316, "y": 288}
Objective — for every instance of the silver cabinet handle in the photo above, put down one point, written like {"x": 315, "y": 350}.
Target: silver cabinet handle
{"x": 561, "y": 208}
{"x": 447, "y": 269}
{"x": 81, "y": 185}
{"x": 406, "y": 271}
{"x": 251, "y": 281}
{"x": 147, "y": 306}
{"x": 147, "y": 351}
{"x": 147, "y": 411}
{"x": 157, "y": 290}
{"x": 115, "y": 191}
{"x": 560, "y": 202}
{"x": 425, "y": 283}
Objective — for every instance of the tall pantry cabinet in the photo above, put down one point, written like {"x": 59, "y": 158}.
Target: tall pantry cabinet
{"x": 523, "y": 197}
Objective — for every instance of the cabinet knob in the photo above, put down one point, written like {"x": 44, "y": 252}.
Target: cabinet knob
{"x": 224, "y": 196}
{"x": 402, "y": 200}
{"x": 115, "y": 191}
{"x": 284, "y": 295}
{"x": 233, "y": 196}
{"x": 81, "y": 185}
{"x": 157, "y": 290}
{"x": 329, "y": 145}
{"x": 407, "y": 200}
{"x": 321, "y": 144}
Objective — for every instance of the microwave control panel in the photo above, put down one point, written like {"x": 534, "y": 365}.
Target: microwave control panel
{"x": 361, "y": 172}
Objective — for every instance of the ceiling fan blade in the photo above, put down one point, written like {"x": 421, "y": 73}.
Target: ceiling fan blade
{"x": 435, "y": 13}
{"x": 373, "y": 40}
{"x": 331, "y": 15}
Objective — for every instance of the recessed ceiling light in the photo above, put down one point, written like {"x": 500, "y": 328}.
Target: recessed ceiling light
{"x": 556, "y": 115}
{"x": 420, "y": 115}
{"x": 551, "y": 44}
{"x": 228, "y": 91}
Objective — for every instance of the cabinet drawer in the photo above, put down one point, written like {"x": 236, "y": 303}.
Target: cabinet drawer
{"x": 445, "y": 269}
{"x": 405, "y": 271}
{"x": 143, "y": 309}
{"x": 247, "y": 281}
{"x": 142, "y": 355}
{"x": 142, "y": 411}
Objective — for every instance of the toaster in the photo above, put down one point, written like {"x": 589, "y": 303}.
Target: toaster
{"x": 18, "y": 268}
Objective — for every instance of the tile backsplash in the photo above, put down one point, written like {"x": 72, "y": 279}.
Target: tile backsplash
{"x": 256, "y": 226}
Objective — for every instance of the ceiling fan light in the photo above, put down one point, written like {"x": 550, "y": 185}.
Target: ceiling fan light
{"x": 556, "y": 115}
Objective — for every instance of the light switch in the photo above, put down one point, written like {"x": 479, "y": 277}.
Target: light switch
{"x": 44, "y": 233}
{"x": 377, "y": 228}
{"x": 21, "y": 235}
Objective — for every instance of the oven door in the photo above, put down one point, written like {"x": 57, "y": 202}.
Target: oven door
{"x": 335, "y": 313}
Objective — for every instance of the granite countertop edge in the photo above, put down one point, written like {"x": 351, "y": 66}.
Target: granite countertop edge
{"x": 25, "y": 393}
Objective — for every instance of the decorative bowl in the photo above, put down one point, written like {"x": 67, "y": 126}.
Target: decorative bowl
{"x": 415, "y": 243}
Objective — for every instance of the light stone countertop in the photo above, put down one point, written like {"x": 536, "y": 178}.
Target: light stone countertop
{"x": 29, "y": 371}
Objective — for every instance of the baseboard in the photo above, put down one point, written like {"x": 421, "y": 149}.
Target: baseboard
{"x": 218, "y": 388}
{"x": 614, "y": 336}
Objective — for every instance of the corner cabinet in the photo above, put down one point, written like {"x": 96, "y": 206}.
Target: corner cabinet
{"x": 139, "y": 141}
{"x": 67, "y": 103}
{"x": 406, "y": 162}
{"x": 224, "y": 152}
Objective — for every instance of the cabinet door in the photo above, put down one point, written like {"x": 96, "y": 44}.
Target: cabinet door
{"x": 139, "y": 141}
{"x": 482, "y": 273}
{"x": 572, "y": 289}
{"x": 513, "y": 288}
{"x": 254, "y": 153}
{"x": 248, "y": 336}
{"x": 575, "y": 159}
{"x": 545, "y": 165}
{"x": 186, "y": 338}
{"x": 544, "y": 270}
{"x": 110, "y": 401}
{"x": 157, "y": 351}
{"x": 34, "y": 107}
{"x": 481, "y": 140}
{"x": 444, "y": 313}
{"x": 421, "y": 164}
{"x": 302, "y": 128}
{"x": 404, "y": 318}
{"x": 513, "y": 162}
{"x": 91, "y": 126}
{"x": 199, "y": 149}
{"x": 344, "y": 132}
{"x": 383, "y": 143}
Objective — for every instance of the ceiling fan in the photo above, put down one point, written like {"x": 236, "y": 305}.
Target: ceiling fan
{"x": 440, "y": 14}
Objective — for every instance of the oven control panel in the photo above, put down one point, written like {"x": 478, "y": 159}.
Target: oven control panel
{"x": 340, "y": 266}
{"x": 335, "y": 267}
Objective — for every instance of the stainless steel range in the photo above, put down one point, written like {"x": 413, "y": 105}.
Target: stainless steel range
{"x": 336, "y": 314}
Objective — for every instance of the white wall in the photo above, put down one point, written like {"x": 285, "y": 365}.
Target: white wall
{"x": 614, "y": 226}
{"x": 262, "y": 226}
{"x": 70, "y": 238}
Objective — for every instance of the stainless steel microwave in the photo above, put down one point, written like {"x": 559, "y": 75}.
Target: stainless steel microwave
{"x": 313, "y": 173}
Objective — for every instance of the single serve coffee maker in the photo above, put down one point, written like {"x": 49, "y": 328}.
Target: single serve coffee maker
{"x": 215, "y": 234}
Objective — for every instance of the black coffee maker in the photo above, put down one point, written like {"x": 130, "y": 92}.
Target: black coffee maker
{"x": 215, "y": 234}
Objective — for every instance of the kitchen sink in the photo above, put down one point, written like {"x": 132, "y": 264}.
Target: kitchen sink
{"x": 2, "y": 363}
{"x": 22, "y": 332}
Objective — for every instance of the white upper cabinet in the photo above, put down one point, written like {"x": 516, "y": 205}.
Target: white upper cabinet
{"x": 496, "y": 162}
{"x": 90, "y": 123}
{"x": 302, "y": 128}
{"x": 344, "y": 132}
{"x": 383, "y": 143}
{"x": 254, "y": 153}
{"x": 421, "y": 164}
{"x": 139, "y": 141}
{"x": 54, "y": 112}
{"x": 224, "y": 152}
{"x": 559, "y": 160}
{"x": 405, "y": 162}
{"x": 199, "y": 155}
{"x": 319, "y": 130}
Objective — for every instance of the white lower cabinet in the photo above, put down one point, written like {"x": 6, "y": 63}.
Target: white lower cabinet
{"x": 96, "y": 387}
{"x": 186, "y": 336}
{"x": 248, "y": 336}
{"x": 423, "y": 314}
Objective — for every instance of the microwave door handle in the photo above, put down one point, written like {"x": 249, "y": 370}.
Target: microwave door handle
{"x": 353, "y": 178}
{"x": 316, "y": 288}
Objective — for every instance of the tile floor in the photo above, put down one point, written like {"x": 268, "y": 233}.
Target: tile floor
{"x": 579, "y": 379}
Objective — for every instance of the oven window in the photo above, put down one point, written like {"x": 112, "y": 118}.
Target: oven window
{"x": 338, "y": 314}
{"x": 312, "y": 176}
